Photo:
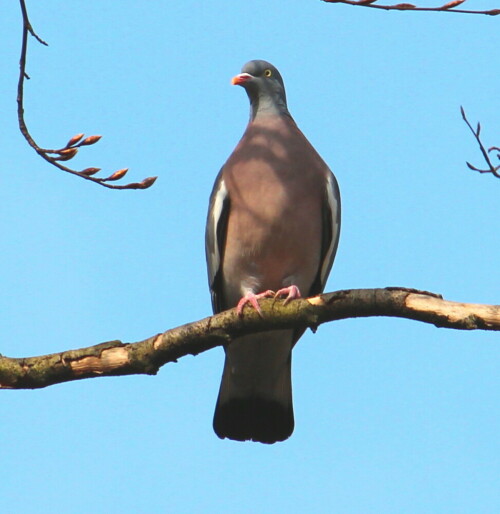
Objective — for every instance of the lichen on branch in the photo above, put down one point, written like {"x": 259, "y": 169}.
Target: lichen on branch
{"x": 115, "y": 358}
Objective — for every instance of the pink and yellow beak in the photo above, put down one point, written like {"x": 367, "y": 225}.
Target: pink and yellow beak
{"x": 240, "y": 79}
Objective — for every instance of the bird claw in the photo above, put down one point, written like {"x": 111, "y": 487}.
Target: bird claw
{"x": 291, "y": 293}
{"x": 253, "y": 300}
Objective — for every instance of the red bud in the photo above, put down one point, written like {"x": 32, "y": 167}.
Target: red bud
{"x": 90, "y": 171}
{"x": 147, "y": 182}
{"x": 452, "y": 4}
{"x": 90, "y": 140}
{"x": 74, "y": 140}
{"x": 117, "y": 175}
{"x": 66, "y": 154}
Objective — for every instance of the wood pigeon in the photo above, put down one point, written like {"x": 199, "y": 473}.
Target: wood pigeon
{"x": 273, "y": 225}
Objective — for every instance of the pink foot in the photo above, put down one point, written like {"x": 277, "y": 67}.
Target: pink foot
{"x": 291, "y": 293}
{"x": 253, "y": 300}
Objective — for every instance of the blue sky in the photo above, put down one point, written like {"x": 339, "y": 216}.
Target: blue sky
{"x": 391, "y": 415}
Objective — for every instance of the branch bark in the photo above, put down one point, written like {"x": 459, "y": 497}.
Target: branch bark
{"x": 147, "y": 357}
{"x": 448, "y": 7}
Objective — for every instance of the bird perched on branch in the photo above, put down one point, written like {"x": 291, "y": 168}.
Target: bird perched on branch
{"x": 272, "y": 230}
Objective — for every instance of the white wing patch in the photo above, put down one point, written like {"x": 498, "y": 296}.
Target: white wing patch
{"x": 333, "y": 204}
{"x": 219, "y": 199}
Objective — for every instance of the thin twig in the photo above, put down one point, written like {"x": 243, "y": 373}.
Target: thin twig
{"x": 486, "y": 153}
{"x": 449, "y": 7}
{"x": 70, "y": 150}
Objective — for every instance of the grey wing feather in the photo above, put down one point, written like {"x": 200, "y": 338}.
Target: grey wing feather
{"x": 331, "y": 234}
{"x": 330, "y": 240}
{"x": 215, "y": 241}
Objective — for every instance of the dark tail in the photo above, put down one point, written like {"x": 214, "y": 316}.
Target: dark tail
{"x": 255, "y": 397}
{"x": 253, "y": 419}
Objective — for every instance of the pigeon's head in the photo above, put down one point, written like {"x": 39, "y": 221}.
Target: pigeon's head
{"x": 264, "y": 86}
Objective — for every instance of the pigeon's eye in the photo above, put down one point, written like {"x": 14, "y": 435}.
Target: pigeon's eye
{"x": 268, "y": 73}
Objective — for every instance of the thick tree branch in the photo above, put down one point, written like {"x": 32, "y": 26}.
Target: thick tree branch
{"x": 448, "y": 7}
{"x": 146, "y": 357}
{"x": 56, "y": 156}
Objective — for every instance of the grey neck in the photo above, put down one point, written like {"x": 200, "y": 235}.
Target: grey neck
{"x": 266, "y": 105}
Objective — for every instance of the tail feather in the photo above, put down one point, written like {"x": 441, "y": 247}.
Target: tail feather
{"x": 255, "y": 397}
{"x": 254, "y": 419}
